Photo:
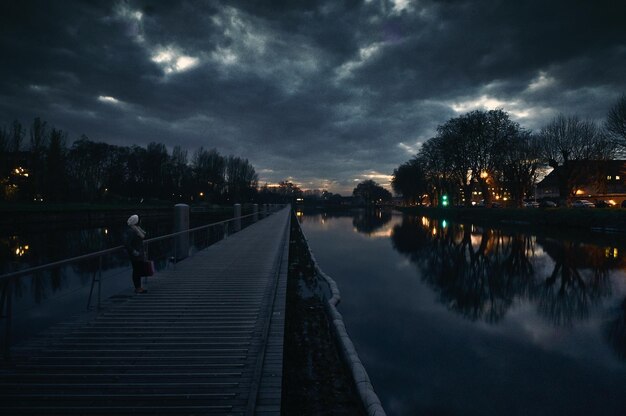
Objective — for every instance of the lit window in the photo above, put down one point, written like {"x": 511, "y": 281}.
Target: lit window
{"x": 609, "y": 177}
{"x": 617, "y": 177}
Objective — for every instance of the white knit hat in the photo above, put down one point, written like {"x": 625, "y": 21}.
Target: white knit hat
{"x": 133, "y": 220}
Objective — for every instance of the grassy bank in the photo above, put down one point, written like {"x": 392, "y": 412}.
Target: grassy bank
{"x": 611, "y": 219}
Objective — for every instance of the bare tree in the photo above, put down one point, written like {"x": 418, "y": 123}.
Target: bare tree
{"x": 17, "y": 136}
{"x": 38, "y": 148}
{"x": 520, "y": 164}
{"x": 209, "y": 168}
{"x": 572, "y": 147}
{"x": 616, "y": 121}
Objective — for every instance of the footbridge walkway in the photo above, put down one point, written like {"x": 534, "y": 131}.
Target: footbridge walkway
{"x": 206, "y": 339}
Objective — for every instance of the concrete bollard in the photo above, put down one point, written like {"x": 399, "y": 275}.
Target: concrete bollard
{"x": 181, "y": 223}
{"x": 237, "y": 216}
{"x": 255, "y": 212}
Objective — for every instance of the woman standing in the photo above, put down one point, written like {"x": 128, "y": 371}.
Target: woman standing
{"x": 134, "y": 244}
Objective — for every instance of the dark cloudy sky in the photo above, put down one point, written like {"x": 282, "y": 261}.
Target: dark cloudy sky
{"x": 325, "y": 93}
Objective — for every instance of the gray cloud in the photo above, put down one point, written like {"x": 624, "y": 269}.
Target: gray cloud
{"x": 324, "y": 93}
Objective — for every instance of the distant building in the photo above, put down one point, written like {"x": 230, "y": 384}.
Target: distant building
{"x": 607, "y": 183}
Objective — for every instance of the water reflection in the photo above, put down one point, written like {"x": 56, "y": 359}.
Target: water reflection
{"x": 615, "y": 331}
{"x": 461, "y": 319}
{"x": 369, "y": 221}
{"x": 481, "y": 272}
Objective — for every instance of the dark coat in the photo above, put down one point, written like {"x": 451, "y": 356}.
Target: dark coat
{"x": 134, "y": 245}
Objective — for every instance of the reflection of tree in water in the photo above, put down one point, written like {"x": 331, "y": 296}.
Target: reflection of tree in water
{"x": 615, "y": 331}
{"x": 479, "y": 272}
{"x": 579, "y": 279}
{"x": 372, "y": 219}
{"x": 470, "y": 270}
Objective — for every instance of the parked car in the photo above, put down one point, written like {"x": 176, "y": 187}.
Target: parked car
{"x": 605, "y": 204}
{"x": 531, "y": 204}
{"x": 582, "y": 203}
{"x": 547, "y": 204}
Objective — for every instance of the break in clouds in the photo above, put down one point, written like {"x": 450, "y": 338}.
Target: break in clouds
{"x": 324, "y": 93}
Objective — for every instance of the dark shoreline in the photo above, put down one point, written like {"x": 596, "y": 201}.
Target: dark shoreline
{"x": 81, "y": 215}
{"x": 315, "y": 379}
{"x": 609, "y": 219}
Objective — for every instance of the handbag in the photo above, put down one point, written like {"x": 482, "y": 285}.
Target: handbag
{"x": 148, "y": 268}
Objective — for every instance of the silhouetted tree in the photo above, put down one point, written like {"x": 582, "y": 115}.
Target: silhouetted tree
{"x": 241, "y": 179}
{"x": 209, "y": 169}
{"x": 409, "y": 180}
{"x": 371, "y": 193}
{"x": 38, "y": 149}
{"x": 155, "y": 171}
{"x": 4, "y": 141}
{"x": 616, "y": 121}
{"x": 568, "y": 145}
{"x": 93, "y": 170}
{"x": 55, "y": 179}
{"x": 16, "y": 136}
{"x": 455, "y": 148}
{"x": 89, "y": 163}
{"x": 436, "y": 161}
{"x": 519, "y": 165}
{"x": 180, "y": 172}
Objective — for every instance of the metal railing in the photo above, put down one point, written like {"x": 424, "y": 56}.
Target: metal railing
{"x": 166, "y": 251}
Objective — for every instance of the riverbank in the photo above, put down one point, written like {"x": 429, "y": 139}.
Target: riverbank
{"x": 598, "y": 219}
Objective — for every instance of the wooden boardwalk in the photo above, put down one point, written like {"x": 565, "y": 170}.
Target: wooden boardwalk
{"x": 206, "y": 340}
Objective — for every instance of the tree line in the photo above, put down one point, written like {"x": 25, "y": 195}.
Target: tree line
{"x": 487, "y": 152}
{"x": 38, "y": 164}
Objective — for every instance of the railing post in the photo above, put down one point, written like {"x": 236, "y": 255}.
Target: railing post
{"x": 237, "y": 217}
{"x": 255, "y": 212}
{"x": 181, "y": 223}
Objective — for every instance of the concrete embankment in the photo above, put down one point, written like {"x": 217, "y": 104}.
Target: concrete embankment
{"x": 369, "y": 399}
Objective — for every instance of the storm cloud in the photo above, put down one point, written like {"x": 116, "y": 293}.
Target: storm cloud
{"x": 325, "y": 93}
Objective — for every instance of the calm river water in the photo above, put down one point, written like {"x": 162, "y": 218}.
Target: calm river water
{"x": 457, "y": 319}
